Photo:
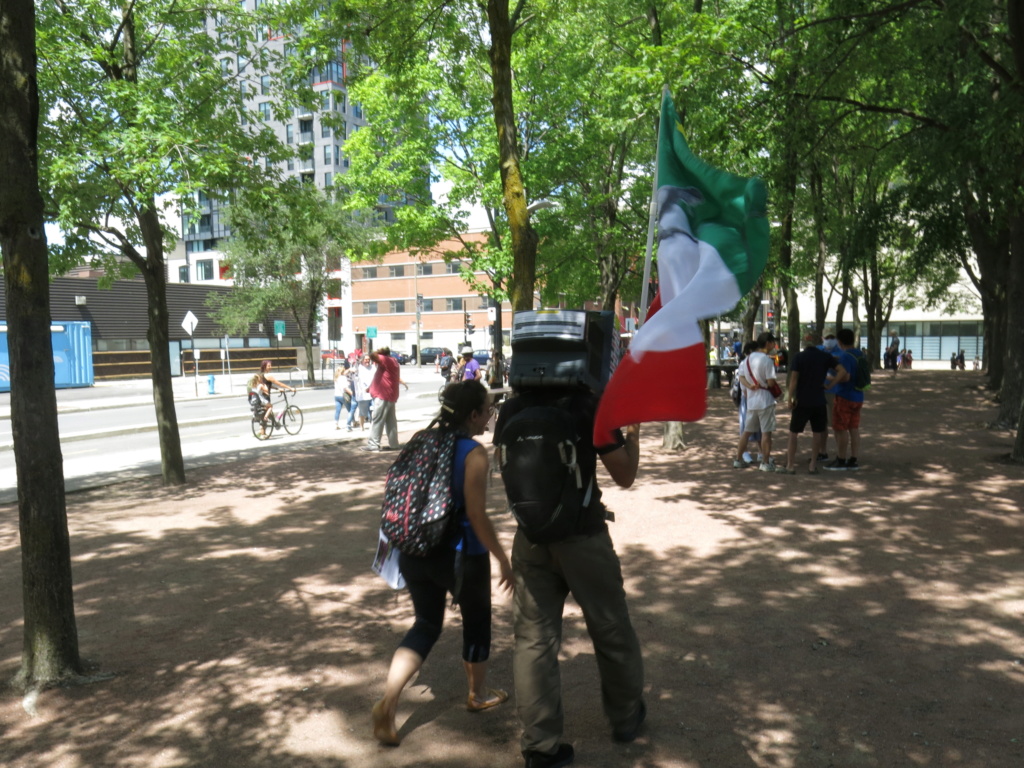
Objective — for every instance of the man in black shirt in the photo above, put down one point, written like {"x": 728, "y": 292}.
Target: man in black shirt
{"x": 806, "y": 401}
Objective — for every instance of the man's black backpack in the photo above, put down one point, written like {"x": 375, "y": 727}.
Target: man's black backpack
{"x": 418, "y": 512}
{"x": 537, "y": 455}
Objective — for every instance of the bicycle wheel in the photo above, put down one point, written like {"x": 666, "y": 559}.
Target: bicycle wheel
{"x": 291, "y": 419}
{"x": 260, "y": 430}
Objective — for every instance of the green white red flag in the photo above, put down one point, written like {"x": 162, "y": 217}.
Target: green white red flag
{"x": 712, "y": 248}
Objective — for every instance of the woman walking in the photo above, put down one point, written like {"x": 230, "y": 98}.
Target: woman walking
{"x": 430, "y": 579}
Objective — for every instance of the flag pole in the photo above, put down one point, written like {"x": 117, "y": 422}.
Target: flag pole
{"x": 652, "y": 220}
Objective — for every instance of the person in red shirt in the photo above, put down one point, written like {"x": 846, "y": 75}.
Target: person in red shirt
{"x": 384, "y": 391}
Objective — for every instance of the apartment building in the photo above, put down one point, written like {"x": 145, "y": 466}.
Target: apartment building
{"x": 317, "y": 142}
{"x": 383, "y": 308}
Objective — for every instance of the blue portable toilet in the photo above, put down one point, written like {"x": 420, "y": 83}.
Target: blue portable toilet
{"x": 72, "y": 355}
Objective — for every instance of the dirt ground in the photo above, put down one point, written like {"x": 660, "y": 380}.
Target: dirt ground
{"x": 848, "y": 619}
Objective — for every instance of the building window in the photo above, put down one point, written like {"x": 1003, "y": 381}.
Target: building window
{"x": 306, "y": 131}
{"x": 289, "y": 134}
{"x": 427, "y": 305}
{"x": 291, "y": 164}
{"x": 265, "y": 85}
{"x": 395, "y": 307}
{"x": 453, "y": 305}
{"x": 396, "y": 270}
{"x": 328, "y": 154}
{"x": 337, "y": 155}
{"x": 265, "y": 110}
{"x": 325, "y": 130}
{"x": 357, "y": 111}
{"x": 424, "y": 269}
{"x": 183, "y": 274}
{"x": 225, "y": 65}
{"x": 327, "y": 179}
{"x": 339, "y": 103}
{"x": 343, "y": 131}
{"x": 204, "y": 269}
{"x": 453, "y": 267}
{"x": 369, "y": 307}
{"x": 369, "y": 273}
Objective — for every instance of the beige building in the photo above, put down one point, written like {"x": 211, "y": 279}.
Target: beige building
{"x": 384, "y": 312}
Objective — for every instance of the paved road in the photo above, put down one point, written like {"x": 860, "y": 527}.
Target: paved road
{"x": 108, "y": 431}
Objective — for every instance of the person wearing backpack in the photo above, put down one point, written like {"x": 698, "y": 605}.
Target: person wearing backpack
{"x": 551, "y": 560}
{"x": 460, "y": 565}
{"x": 445, "y": 361}
{"x": 849, "y": 400}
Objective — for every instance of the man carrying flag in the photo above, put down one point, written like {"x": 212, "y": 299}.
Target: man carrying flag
{"x": 712, "y": 248}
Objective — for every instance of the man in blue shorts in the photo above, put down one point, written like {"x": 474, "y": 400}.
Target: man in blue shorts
{"x": 847, "y": 407}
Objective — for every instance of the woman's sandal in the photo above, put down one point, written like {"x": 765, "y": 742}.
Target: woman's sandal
{"x": 383, "y": 729}
{"x": 496, "y": 698}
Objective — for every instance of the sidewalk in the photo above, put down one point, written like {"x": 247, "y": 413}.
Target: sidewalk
{"x": 126, "y": 392}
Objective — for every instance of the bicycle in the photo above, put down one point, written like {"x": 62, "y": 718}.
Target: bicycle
{"x": 290, "y": 417}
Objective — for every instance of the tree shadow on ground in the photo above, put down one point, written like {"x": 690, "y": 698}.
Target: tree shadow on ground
{"x": 849, "y": 619}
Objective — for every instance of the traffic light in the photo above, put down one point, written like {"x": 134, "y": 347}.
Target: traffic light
{"x": 468, "y": 325}
{"x": 771, "y": 320}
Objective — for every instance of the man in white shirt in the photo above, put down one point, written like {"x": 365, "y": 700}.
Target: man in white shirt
{"x": 757, "y": 375}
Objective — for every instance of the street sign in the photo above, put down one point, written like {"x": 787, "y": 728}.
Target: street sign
{"x": 492, "y": 313}
{"x": 279, "y": 328}
{"x": 371, "y": 332}
{"x": 190, "y": 322}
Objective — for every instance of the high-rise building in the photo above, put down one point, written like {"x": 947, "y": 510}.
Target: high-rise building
{"x": 316, "y": 136}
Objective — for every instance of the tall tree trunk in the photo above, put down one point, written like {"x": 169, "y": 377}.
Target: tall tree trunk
{"x": 1011, "y": 393}
{"x": 753, "y": 307}
{"x": 172, "y": 464}
{"x": 50, "y": 645}
{"x": 524, "y": 238}
{"x": 817, "y": 202}
{"x": 991, "y": 246}
{"x": 153, "y": 269}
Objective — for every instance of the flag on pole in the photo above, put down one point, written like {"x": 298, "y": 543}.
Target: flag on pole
{"x": 712, "y": 248}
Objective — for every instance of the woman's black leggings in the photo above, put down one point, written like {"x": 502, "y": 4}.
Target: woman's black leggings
{"x": 429, "y": 580}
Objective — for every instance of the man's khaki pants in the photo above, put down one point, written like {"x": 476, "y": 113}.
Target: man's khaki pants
{"x": 588, "y": 567}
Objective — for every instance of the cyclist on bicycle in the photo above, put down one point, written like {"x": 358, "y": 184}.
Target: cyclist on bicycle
{"x": 266, "y": 382}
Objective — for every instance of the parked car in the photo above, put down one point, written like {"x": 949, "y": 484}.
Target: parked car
{"x": 430, "y": 354}
{"x": 482, "y": 357}
{"x": 401, "y": 357}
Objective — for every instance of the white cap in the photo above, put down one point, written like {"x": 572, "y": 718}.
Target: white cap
{"x": 466, "y": 351}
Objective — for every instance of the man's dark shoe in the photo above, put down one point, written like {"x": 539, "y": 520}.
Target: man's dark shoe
{"x": 629, "y": 733}
{"x": 851, "y": 463}
{"x": 835, "y": 464}
{"x": 561, "y": 758}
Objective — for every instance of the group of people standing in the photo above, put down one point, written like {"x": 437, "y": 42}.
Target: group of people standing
{"x": 820, "y": 391}
{"x": 464, "y": 368}
{"x": 895, "y": 359}
{"x": 540, "y": 576}
{"x": 352, "y": 379}
{"x": 367, "y": 388}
